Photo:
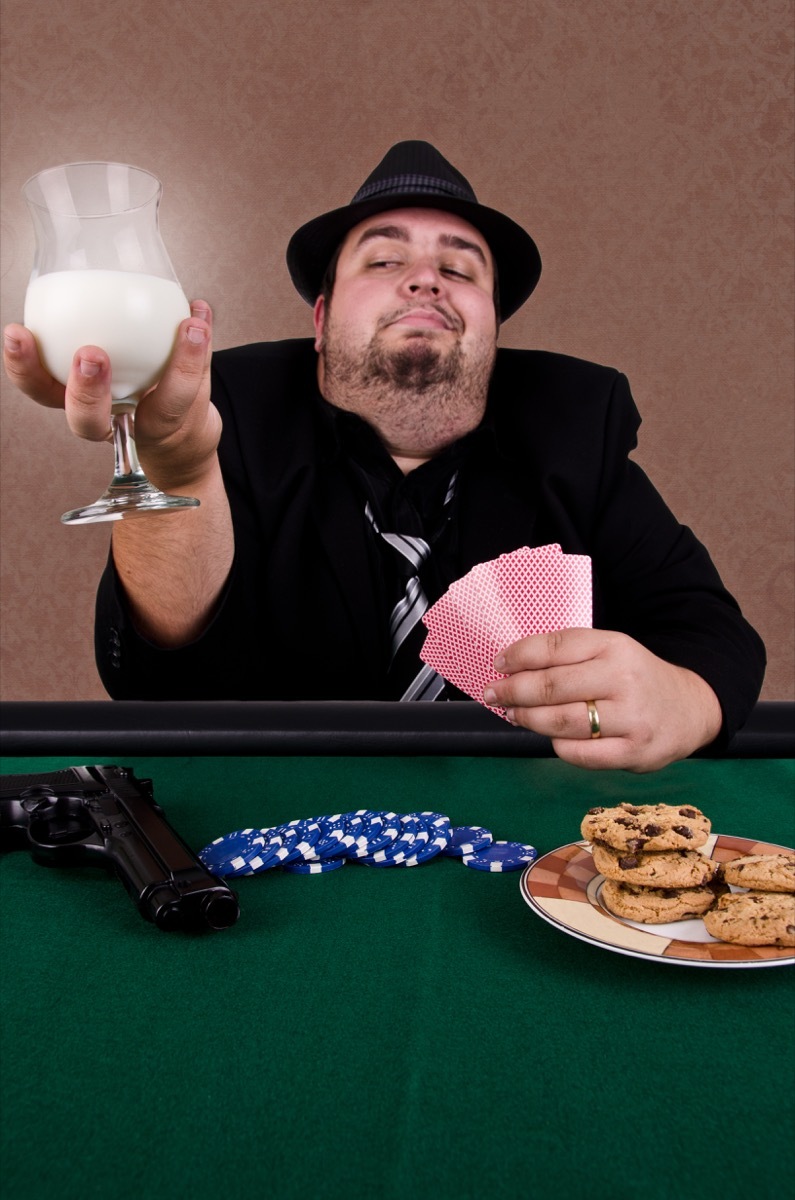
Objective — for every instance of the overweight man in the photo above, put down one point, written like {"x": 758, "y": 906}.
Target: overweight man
{"x": 346, "y": 480}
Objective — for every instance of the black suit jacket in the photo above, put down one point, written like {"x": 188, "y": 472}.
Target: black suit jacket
{"x": 557, "y": 470}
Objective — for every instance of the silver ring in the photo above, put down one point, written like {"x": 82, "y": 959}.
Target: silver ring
{"x": 593, "y": 718}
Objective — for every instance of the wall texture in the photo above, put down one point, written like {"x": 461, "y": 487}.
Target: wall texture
{"x": 646, "y": 144}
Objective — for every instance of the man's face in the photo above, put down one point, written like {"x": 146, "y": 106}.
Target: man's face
{"x": 413, "y": 295}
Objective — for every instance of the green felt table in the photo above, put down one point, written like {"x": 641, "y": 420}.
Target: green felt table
{"x": 391, "y": 1033}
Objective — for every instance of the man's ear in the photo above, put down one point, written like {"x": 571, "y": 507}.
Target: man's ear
{"x": 319, "y": 315}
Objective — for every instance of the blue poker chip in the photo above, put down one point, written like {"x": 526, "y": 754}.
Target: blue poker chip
{"x": 468, "y": 839}
{"x": 267, "y": 851}
{"x": 299, "y": 838}
{"x": 319, "y": 867}
{"x": 340, "y": 834}
{"x": 412, "y": 837}
{"x": 501, "y": 856}
{"x": 439, "y": 835}
{"x": 355, "y": 826}
{"x": 332, "y": 832}
{"x": 224, "y": 855}
{"x": 378, "y": 833}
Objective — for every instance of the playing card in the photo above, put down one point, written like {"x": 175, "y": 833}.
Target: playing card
{"x": 530, "y": 590}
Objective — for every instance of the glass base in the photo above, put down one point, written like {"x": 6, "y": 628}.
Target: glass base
{"x": 122, "y": 503}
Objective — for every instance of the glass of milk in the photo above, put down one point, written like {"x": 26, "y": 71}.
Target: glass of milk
{"x": 102, "y": 277}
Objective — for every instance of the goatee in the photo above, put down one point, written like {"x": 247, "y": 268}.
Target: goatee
{"x": 418, "y": 395}
{"x": 415, "y": 366}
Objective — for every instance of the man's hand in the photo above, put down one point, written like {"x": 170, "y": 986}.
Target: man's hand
{"x": 650, "y": 712}
{"x": 172, "y": 566}
{"x": 176, "y": 426}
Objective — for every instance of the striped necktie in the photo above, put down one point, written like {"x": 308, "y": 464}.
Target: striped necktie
{"x": 406, "y": 635}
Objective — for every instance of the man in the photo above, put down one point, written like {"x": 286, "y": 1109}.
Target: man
{"x": 344, "y": 486}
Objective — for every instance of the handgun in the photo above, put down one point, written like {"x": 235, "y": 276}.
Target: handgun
{"x": 103, "y": 816}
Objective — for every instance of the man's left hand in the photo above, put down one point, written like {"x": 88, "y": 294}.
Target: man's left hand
{"x": 647, "y": 711}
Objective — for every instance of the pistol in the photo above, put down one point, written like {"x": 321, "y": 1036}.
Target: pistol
{"x": 104, "y": 816}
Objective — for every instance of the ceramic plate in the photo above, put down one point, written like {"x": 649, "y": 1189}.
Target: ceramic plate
{"x": 564, "y": 887}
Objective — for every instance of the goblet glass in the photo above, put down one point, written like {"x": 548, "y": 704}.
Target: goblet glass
{"x": 101, "y": 276}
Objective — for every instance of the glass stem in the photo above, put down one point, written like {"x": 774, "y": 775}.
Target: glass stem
{"x": 127, "y": 468}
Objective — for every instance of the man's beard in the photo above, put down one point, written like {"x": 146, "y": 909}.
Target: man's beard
{"x": 418, "y": 394}
{"x": 415, "y": 365}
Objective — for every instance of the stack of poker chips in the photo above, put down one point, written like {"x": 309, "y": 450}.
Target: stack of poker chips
{"x": 374, "y": 839}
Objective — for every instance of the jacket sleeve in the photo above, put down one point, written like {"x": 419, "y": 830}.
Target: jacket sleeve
{"x": 227, "y": 661}
{"x": 656, "y": 582}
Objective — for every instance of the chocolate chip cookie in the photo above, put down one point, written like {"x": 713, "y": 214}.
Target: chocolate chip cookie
{"x": 647, "y": 827}
{"x": 662, "y": 868}
{"x": 657, "y": 906}
{"x": 753, "y": 919}
{"x": 762, "y": 872}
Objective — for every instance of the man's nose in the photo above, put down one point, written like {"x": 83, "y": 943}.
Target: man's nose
{"x": 423, "y": 279}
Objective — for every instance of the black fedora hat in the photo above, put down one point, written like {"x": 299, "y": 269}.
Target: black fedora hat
{"x": 415, "y": 175}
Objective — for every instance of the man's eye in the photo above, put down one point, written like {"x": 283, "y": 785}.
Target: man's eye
{"x": 384, "y": 262}
{"x": 456, "y": 273}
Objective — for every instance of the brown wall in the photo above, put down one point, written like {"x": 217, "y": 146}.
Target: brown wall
{"x": 646, "y": 144}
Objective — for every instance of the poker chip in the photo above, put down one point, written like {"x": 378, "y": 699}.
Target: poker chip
{"x": 332, "y": 832}
{"x": 299, "y": 837}
{"x": 266, "y": 851}
{"x": 318, "y": 867}
{"x": 468, "y": 839}
{"x": 380, "y": 831}
{"x": 439, "y": 835}
{"x": 225, "y": 854}
{"x": 375, "y": 838}
{"x": 412, "y": 837}
{"x": 501, "y": 856}
{"x": 355, "y": 839}
{"x": 438, "y": 825}
{"x": 423, "y": 854}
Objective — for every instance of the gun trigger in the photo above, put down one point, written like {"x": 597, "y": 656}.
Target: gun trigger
{"x": 40, "y": 802}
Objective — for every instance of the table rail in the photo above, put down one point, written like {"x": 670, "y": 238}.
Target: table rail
{"x": 111, "y": 729}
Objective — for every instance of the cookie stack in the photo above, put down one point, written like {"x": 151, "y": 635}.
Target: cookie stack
{"x": 650, "y": 859}
{"x": 764, "y": 915}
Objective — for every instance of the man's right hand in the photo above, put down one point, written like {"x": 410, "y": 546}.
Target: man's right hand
{"x": 172, "y": 565}
{"x": 177, "y": 428}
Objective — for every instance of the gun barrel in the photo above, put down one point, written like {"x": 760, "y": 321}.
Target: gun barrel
{"x": 215, "y": 907}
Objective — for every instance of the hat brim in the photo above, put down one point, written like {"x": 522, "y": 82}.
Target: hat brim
{"x": 516, "y": 256}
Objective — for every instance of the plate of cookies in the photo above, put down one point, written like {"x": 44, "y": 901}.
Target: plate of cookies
{"x": 653, "y": 881}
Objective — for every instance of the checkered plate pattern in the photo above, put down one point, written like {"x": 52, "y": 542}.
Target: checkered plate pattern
{"x": 563, "y": 888}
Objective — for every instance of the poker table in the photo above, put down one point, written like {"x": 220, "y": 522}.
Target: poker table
{"x": 394, "y": 1032}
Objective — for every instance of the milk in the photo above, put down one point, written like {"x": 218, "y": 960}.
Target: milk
{"x": 132, "y": 317}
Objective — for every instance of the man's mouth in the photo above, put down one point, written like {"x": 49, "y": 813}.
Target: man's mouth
{"x": 422, "y": 318}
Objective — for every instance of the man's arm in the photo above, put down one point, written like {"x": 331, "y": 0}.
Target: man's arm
{"x": 173, "y": 566}
{"x": 685, "y": 667}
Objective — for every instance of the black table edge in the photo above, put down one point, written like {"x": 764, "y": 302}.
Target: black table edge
{"x": 108, "y": 730}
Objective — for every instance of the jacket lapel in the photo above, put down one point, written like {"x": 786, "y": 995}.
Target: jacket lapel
{"x": 338, "y": 515}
